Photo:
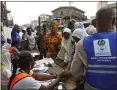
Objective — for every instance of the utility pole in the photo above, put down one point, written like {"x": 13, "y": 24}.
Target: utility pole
{"x": 69, "y": 9}
{"x": 30, "y": 21}
{"x": 40, "y": 38}
{"x": 70, "y": 2}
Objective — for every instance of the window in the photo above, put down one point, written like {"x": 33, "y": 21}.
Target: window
{"x": 61, "y": 12}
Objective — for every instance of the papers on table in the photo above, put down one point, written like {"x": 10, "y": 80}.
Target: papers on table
{"x": 34, "y": 54}
{"x": 40, "y": 65}
{"x": 47, "y": 82}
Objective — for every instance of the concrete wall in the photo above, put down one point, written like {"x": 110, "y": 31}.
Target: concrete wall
{"x": 7, "y": 32}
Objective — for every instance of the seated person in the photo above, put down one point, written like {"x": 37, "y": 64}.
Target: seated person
{"x": 66, "y": 47}
{"x": 13, "y": 49}
{"x": 25, "y": 78}
{"x": 7, "y": 45}
{"x": 5, "y": 68}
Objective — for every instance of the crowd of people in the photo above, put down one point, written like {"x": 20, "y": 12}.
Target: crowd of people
{"x": 89, "y": 53}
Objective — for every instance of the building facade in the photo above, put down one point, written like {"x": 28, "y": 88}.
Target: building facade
{"x": 65, "y": 14}
{"x": 45, "y": 19}
{"x": 114, "y": 6}
{"x": 34, "y": 23}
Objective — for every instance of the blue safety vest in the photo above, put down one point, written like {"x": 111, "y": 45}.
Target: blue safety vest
{"x": 102, "y": 60}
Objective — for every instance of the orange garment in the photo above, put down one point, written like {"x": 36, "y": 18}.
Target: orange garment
{"x": 18, "y": 78}
{"x": 54, "y": 24}
{"x": 52, "y": 44}
{"x": 11, "y": 49}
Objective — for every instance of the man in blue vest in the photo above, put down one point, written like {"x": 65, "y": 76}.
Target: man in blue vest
{"x": 15, "y": 35}
{"x": 95, "y": 58}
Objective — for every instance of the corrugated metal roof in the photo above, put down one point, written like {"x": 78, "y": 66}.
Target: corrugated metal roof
{"x": 68, "y": 7}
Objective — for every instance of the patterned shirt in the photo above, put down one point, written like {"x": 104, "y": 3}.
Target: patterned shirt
{"x": 52, "y": 44}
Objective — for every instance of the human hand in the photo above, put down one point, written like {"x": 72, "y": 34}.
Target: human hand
{"x": 64, "y": 74}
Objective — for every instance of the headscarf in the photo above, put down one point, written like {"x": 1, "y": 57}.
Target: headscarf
{"x": 79, "y": 33}
{"x": 67, "y": 30}
{"x": 91, "y": 30}
{"x": 54, "y": 24}
{"x": 67, "y": 43}
{"x": 79, "y": 25}
{"x": 6, "y": 58}
{"x": 2, "y": 40}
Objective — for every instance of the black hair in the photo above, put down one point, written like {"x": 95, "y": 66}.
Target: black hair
{"x": 8, "y": 39}
{"x": 28, "y": 29}
{"x": 23, "y": 63}
{"x": 105, "y": 13}
{"x": 24, "y": 60}
{"x": 93, "y": 22}
{"x": 70, "y": 25}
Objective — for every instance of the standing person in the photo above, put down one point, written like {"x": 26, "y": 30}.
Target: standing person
{"x": 71, "y": 25}
{"x": 91, "y": 29}
{"x": 52, "y": 41}
{"x": 79, "y": 25}
{"x": 5, "y": 68}
{"x": 2, "y": 40}
{"x": 24, "y": 34}
{"x": 66, "y": 47}
{"x": 7, "y": 45}
{"x": 30, "y": 36}
{"x": 43, "y": 37}
{"x": 15, "y": 35}
{"x": 95, "y": 58}
{"x": 77, "y": 35}
{"x": 26, "y": 79}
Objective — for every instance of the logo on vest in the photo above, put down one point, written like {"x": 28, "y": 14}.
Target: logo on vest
{"x": 102, "y": 47}
{"x": 101, "y": 43}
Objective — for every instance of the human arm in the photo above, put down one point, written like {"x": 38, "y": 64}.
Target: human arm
{"x": 43, "y": 77}
{"x": 71, "y": 58}
{"x": 59, "y": 41}
{"x": 51, "y": 86}
{"x": 33, "y": 84}
{"x": 79, "y": 63}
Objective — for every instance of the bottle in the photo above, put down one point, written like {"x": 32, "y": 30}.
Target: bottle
{"x": 60, "y": 86}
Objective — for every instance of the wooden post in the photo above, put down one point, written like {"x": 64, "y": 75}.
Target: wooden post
{"x": 40, "y": 38}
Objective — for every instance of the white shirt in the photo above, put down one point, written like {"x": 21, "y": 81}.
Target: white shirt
{"x": 6, "y": 46}
{"x": 5, "y": 75}
{"x": 20, "y": 33}
{"x": 31, "y": 38}
{"x": 28, "y": 83}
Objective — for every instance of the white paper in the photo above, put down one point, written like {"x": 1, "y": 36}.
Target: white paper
{"x": 102, "y": 47}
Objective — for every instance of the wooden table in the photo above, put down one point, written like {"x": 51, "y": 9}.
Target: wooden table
{"x": 69, "y": 84}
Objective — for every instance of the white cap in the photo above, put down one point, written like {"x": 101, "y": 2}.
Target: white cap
{"x": 67, "y": 30}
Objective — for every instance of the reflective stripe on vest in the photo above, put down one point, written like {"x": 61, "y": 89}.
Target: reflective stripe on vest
{"x": 18, "y": 78}
{"x": 11, "y": 49}
{"x": 4, "y": 51}
{"x": 102, "y": 60}
{"x": 2, "y": 66}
